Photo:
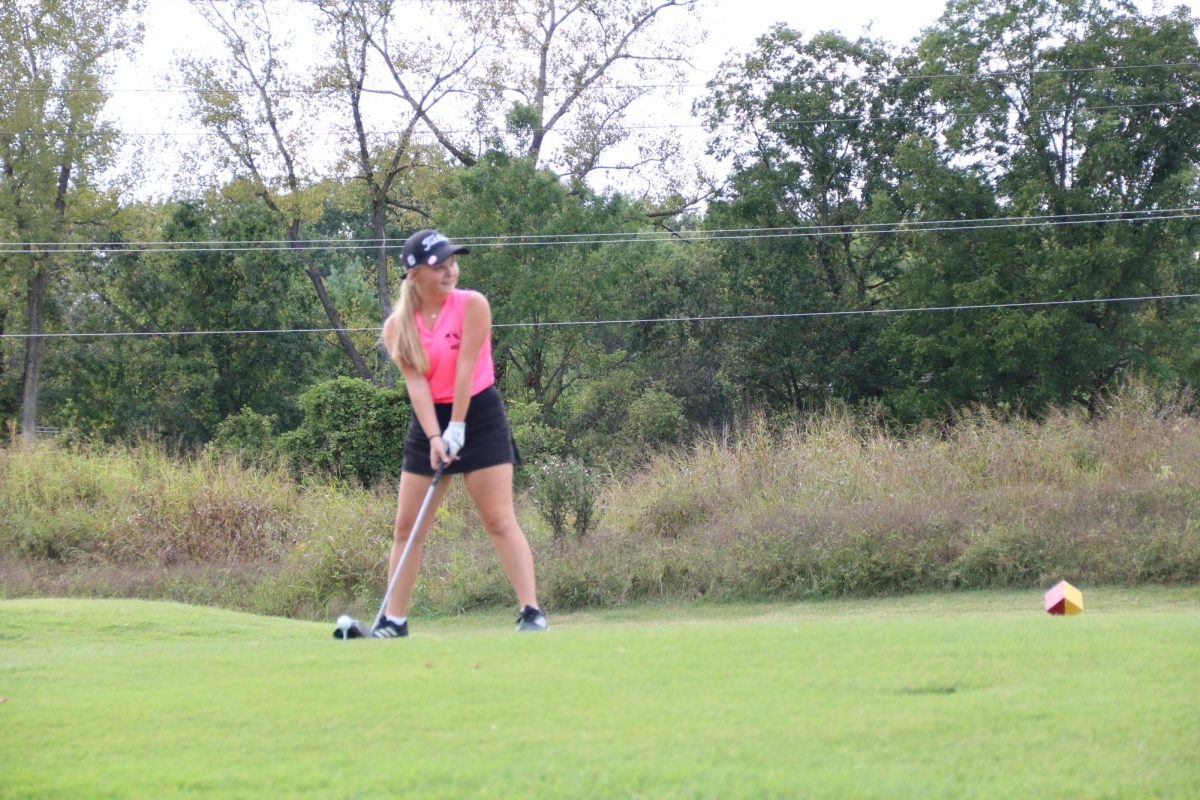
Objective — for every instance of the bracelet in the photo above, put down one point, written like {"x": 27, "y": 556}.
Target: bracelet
{"x": 435, "y": 436}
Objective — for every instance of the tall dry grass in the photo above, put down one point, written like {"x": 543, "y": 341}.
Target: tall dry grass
{"x": 837, "y": 504}
{"x": 829, "y": 505}
{"x": 134, "y": 521}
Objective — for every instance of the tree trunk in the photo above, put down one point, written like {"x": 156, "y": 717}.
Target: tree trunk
{"x": 34, "y": 306}
{"x": 381, "y": 270}
{"x": 347, "y": 343}
{"x": 381, "y": 277}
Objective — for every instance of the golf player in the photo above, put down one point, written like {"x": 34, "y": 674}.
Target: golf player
{"x": 440, "y": 337}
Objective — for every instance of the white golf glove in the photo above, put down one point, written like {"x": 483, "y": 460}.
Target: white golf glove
{"x": 454, "y": 437}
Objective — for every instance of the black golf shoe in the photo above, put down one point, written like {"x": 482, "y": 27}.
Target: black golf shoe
{"x": 386, "y": 629}
{"x": 531, "y": 619}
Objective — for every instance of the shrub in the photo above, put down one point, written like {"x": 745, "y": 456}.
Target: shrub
{"x": 351, "y": 429}
{"x": 535, "y": 439}
{"x": 655, "y": 418}
{"x": 564, "y": 489}
{"x": 247, "y": 436}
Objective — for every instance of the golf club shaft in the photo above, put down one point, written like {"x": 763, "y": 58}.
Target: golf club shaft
{"x": 412, "y": 536}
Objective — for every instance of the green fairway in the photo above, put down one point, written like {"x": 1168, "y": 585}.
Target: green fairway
{"x": 972, "y": 695}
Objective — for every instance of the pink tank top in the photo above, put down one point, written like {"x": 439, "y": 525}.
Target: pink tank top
{"x": 442, "y": 343}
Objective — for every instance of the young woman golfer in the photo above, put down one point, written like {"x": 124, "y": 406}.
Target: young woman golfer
{"x": 441, "y": 338}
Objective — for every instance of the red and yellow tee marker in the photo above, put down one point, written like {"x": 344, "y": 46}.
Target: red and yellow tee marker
{"x": 1063, "y": 598}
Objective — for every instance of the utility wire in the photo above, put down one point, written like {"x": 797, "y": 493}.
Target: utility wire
{"x": 626, "y": 237}
{"x": 570, "y": 237}
{"x": 642, "y": 321}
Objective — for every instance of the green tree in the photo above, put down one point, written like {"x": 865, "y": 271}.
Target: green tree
{"x": 683, "y": 281}
{"x": 1084, "y": 112}
{"x": 941, "y": 361}
{"x": 263, "y": 133}
{"x": 55, "y": 58}
{"x": 540, "y": 276}
{"x": 180, "y": 388}
{"x": 811, "y": 128}
{"x": 387, "y": 163}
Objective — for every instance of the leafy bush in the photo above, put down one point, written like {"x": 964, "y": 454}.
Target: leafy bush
{"x": 534, "y": 438}
{"x": 656, "y": 418}
{"x": 612, "y": 418}
{"x": 564, "y": 489}
{"x": 248, "y": 436}
{"x": 351, "y": 429}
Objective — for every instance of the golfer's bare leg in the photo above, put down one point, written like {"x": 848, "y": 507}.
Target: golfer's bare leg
{"x": 413, "y": 489}
{"x": 492, "y": 492}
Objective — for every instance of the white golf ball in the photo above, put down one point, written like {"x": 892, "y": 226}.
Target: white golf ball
{"x": 345, "y": 621}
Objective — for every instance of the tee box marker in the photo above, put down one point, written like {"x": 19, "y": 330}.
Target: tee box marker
{"x": 1063, "y": 598}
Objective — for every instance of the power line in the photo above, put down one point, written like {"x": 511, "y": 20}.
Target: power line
{"x": 622, "y": 237}
{"x": 569, "y": 237}
{"x": 641, "y": 321}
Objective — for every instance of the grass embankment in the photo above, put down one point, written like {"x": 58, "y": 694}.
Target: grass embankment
{"x": 833, "y": 506}
{"x": 959, "y": 695}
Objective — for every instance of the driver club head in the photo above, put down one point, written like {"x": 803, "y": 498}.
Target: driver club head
{"x": 350, "y": 628}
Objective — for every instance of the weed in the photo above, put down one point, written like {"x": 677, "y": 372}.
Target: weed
{"x": 563, "y": 491}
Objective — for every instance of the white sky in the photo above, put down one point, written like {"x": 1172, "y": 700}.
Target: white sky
{"x": 173, "y": 28}
{"x": 734, "y": 24}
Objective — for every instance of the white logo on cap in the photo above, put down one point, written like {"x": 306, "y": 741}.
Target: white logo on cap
{"x": 412, "y": 261}
{"x": 432, "y": 240}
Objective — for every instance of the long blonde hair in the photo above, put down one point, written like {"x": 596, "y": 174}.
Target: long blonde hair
{"x": 401, "y": 339}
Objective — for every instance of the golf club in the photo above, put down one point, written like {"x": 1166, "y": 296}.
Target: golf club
{"x": 350, "y": 628}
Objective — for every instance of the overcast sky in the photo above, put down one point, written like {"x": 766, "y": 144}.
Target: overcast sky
{"x": 173, "y": 27}
{"x": 735, "y": 23}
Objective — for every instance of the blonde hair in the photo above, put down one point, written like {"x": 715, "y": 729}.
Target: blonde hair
{"x": 401, "y": 339}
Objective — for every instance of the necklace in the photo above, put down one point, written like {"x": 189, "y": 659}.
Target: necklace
{"x": 432, "y": 315}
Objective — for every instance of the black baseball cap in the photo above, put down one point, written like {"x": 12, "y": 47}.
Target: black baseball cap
{"x": 428, "y": 247}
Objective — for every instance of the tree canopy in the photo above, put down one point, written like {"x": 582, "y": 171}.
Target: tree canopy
{"x": 1002, "y": 212}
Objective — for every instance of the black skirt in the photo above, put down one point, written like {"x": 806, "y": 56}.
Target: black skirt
{"x": 489, "y": 437}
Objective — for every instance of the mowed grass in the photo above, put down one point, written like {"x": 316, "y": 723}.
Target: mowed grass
{"x": 951, "y": 695}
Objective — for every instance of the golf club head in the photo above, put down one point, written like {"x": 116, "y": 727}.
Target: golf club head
{"x": 355, "y": 630}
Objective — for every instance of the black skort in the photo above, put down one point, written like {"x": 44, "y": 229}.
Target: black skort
{"x": 489, "y": 437}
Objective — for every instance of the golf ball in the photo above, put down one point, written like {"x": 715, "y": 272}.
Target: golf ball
{"x": 345, "y": 621}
